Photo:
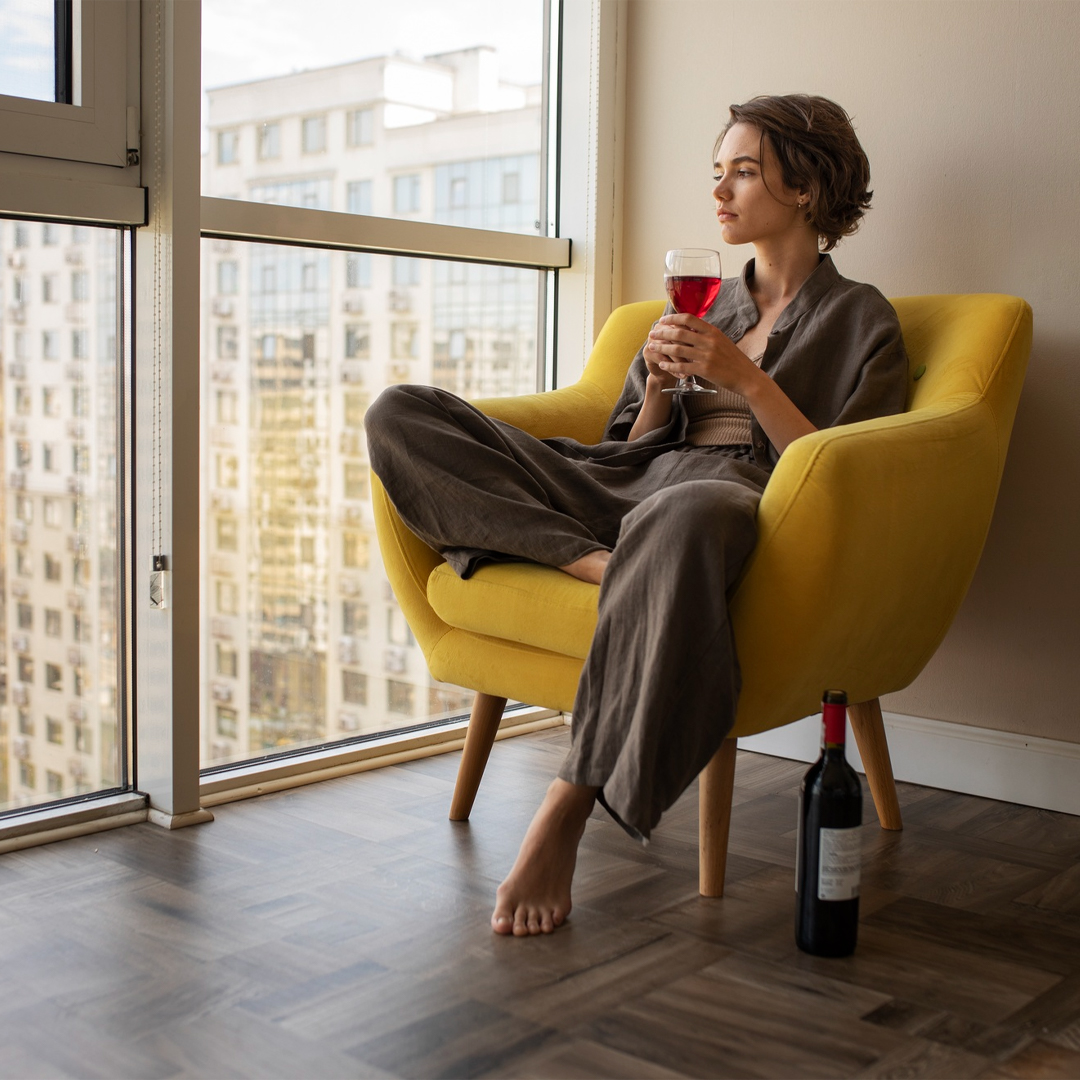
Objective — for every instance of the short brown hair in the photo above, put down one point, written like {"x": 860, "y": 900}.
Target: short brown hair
{"x": 819, "y": 151}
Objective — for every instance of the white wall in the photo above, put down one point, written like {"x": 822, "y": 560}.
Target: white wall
{"x": 968, "y": 111}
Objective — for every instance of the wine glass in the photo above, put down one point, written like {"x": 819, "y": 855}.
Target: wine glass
{"x": 692, "y": 280}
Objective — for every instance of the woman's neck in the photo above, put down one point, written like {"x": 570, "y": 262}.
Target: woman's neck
{"x": 781, "y": 268}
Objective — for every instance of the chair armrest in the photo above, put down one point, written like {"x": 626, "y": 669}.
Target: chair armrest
{"x": 877, "y": 525}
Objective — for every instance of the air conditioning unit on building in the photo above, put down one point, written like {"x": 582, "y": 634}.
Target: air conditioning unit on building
{"x": 20, "y": 643}
{"x": 221, "y": 373}
{"x": 222, "y": 692}
{"x": 16, "y": 260}
{"x": 75, "y": 657}
{"x": 74, "y": 486}
{"x": 349, "y": 586}
{"x": 352, "y": 373}
{"x": 399, "y": 301}
{"x": 348, "y": 721}
{"x": 17, "y": 314}
{"x": 16, "y": 370}
{"x": 74, "y": 372}
{"x": 73, "y": 256}
{"x": 20, "y": 694}
{"x": 20, "y": 748}
{"x": 76, "y": 712}
{"x": 222, "y": 308}
{"x": 220, "y": 501}
{"x": 348, "y": 650}
{"x": 74, "y": 429}
{"x": 17, "y": 481}
{"x": 395, "y": 660}
{"x": 75, "y": 311}
{"x": 353, "y": 303}
{"x": 18, "y": 533}
{"x": 221, "y": 628}
{"x": 75, "y": 601}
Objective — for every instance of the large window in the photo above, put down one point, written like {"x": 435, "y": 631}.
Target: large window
{"x": 62, "y": 608}
{"x": 292, "y": 576}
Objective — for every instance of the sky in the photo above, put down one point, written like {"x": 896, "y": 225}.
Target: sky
{"x": 250, "y": 39}
{"x": 26, "y": 48}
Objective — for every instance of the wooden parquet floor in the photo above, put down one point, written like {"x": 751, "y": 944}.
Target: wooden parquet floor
{"x": 341, "y": 930}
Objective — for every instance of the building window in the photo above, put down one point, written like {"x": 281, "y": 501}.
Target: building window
{"x": 48, "y": 457}
{"x": 50, "y": 345}
{"x": 26, "y": 669}
{"x": 360, "y": 127}
{"x": 26, "y": 616}
{"x": 357, "y": 341}
{"x": 50, "y": 235}
{"x": 80, "y": 286}
{"x": 404, "y": 340}
{"x": 80, "y": 402}
{"x": 22, "y": 236}
{"x": 459, "y": 193}
{"x": 309, "y": 277}
{"x": 225, "y": 722}
{"x": 23, "y": 401}
{"x": 26, "y": 722}
{"x": 54, "y": 782}
{"x": 84, "y": 742}
{"x": 313, "y": 134}
{"x": 80, "y": 627}
{"x": 356, "y": 480}
{"x": 54, "y": 677}
{"x": 354, "y": 686}
{"x": 54, "y": 731}
{"x": 227, "y": 597}
{"x": 405, "y": 271}
{"x": 53, "y": 570}
{"x": 511, "y": 188}
{"x": 225, "y": 660}
{"x": 80, "y": 344}
{"x": 358, "y": 197}
{"x": 226, "y": 406}
{"x": 354, "y": 550}
{"x": 358, "y": 270}
{"x": 80, "y": 459}
{"x": 356, "y": 405}
{"x": 228, "y": 470}
{"x": 53, "y": 622}
{"x": 24, "y": 508}
{"x": 49, "y": 293}
{"x": 269, "y": 141}
{"x": 27, "y": 774}
{"x": 22, "y": 454}
{"x": 406, "y": 194}
{"x": 354, "y": 618}
{"x": 400, "y": 697}
{"x": 228, "y": 277}
{"x": 228, "y": 343}
{"x": 226, "y": 534}
{"x": 228, "y": 147}
{"x": 50, "y": 400}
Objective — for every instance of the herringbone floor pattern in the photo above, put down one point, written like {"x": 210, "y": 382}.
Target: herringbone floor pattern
{"x": 340, "y": 930}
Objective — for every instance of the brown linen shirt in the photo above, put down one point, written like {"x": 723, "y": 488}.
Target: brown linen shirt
{"x": 836, "y": 351}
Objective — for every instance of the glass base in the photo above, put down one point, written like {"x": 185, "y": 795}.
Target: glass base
{"x": 688, "y": 386}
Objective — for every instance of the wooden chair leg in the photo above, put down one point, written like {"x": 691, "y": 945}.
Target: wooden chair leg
{"x": 716, "y": 786}
{"x": 866, "y": 723}
{"x": 483, "y": 724}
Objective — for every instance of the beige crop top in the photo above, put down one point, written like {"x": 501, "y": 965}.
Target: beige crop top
{"x": 720, "y": 419}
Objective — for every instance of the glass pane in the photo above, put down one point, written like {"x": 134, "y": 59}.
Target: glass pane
{"x": 303, "y": 642}
{"x": 27, "y": 49}
{"x": 59, "y": 573}
{"x": 369, "y": 108}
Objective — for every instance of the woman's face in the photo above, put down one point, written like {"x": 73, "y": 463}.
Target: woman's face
{"x": 752, "y": 203}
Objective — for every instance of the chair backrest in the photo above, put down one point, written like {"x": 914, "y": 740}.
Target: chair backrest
{"x": 870, "y": 533}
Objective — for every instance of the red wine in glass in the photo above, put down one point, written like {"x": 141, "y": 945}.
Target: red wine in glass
{"x": 692, "y": 279}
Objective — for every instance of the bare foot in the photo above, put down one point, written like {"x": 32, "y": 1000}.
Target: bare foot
{"x": 535, "y": 897}
{"x": 589, "y": 567}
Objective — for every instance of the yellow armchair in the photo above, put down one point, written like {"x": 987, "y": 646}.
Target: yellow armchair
{"x": 869, "y": 535}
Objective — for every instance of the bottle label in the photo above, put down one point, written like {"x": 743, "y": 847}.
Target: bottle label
{"x": 839, "y": 864}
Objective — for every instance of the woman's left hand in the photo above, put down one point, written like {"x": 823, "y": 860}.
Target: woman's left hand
{"x": 695, "y": 347}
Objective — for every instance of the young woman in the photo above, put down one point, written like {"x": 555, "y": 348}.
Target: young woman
{"x": 661, "y": 513}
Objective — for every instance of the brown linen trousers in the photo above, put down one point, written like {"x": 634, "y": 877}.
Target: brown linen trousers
{"x": 660, "y": 684}
{"x": 659, "y": 688}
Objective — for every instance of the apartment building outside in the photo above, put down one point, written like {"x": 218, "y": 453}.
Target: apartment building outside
{"x": 304, "y": 642}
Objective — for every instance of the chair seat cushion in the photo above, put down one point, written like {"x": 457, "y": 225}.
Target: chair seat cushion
{"x": 523, "y": 602}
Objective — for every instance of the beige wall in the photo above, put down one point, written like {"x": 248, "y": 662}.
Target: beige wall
{"x": 969, "y": 113}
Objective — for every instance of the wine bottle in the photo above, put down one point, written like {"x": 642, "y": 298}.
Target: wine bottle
{"x": 828, "y": 855}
